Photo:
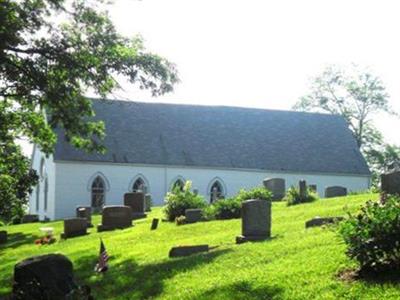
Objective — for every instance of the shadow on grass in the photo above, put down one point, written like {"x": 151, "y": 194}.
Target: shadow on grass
{"x": 387, "y": 277}
{"x": 18, "y": 239}
{"x": 242, "y": 290}
{"x": 129, "y": 280}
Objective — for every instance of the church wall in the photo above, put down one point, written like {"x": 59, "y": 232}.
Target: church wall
{"x": 74, "y": 181}
{"x": 49, "y": 173}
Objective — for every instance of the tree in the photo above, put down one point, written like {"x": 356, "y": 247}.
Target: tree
{"x": 357, "y": 96}
{"x": 51, "y": 53}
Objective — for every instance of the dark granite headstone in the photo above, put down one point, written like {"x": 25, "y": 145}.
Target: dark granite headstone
{"x": 318, "y": 221}
{"x": 30, "y": 218}
{"x": 85, "y": 212}
{"x": 154, "y": 224}
{"x": 276, "y": 186}
{"x": 335, "y": 191}
{"x": 187, "y": 250}
{"x": 3, "y": 237}
{"x": 148, "y": 202}
{"x": 136, "y": 201}
{"x": 256, "y": 220}
{"x": 390, "y": 182}
{"x": 47, "y": 276}
{"x": 115, "y": 217}
{"x": 303, "y": 189}
{"x": 193, "y": 215}
{"x": 74, "y": 227}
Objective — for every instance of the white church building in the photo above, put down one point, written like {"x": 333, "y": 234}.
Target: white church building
{"x": 157, "y": 145}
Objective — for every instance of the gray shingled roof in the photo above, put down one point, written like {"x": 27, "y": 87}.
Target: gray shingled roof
{"x": 222, "y": 137}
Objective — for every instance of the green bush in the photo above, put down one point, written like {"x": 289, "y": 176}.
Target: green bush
{"x": 373, "y": 235}
{"x": 179, "y": 200}
{"x": 229, "y": 208}
{"x": 293, "y": 196}
{"x": 255, "y": 193}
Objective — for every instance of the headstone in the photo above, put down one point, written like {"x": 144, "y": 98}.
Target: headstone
{"x": 47, "y": 276}
{"x": 30, "y": 218}
{"x": 195, "y": 191}
{"x": 3, "y": 237}
{"x": 313, "y": 187}
{"x": 276, "y": 186}
{"x": 74, "y": 227}
{"x": 318, "y": 221}
{"x": 303, "y": 189}
{"x": 193, "y": 215}
{"x": 136, "y": 202}
{"x": 256, "y": 220}
{"x": 154, "y": 224}
{"x": 335, "y": 191}
{"x": 85, "y": 212}
{"x": 187, "y": 250}
{"x": 390, "y": 182}
{"x": 115, "y": 217}
{"x": 147, "y": 201}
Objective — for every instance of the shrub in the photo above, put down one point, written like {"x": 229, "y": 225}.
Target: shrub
{"x": 229, "y": 208}
{"x": 293, "y": 196}
{"x": 179, "y": 200}
{"x": 373, "y": 235}
{"x": 255, "y": 193}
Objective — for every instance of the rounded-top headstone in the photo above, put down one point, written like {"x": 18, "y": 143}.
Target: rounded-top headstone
{"x": 52, "y": 273}
{"x": 256, "y": 218}
{"x": 276, "y": 186}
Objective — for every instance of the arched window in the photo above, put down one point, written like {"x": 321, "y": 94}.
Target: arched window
{"x": 46, "y": 192}
{"x": 37, "y": 196}
{"x": 98, "y": 193}
{"x": 216, "y": 191}
{"x": 178, "y": 184}
{"x": 139, "y": 185}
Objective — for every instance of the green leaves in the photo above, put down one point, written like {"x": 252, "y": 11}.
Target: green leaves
{"x": 373, "y": 235}
{"x": 48, "y": 66}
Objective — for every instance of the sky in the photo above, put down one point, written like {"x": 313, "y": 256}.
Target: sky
{"x": 263, "y": 54}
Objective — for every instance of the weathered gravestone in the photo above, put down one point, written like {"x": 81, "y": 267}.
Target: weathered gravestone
{"x": 115, "y": 217}
{"x": 154, "y": 224}
{"x": 86, "y": 213}
{"x": 335, "y": 191}
{"x": 318, "y": 221}
{"x": 47, "y": 276}
{"x": 148, "y": 202}
{"x": 3, "y": 237}
{"x": 303, "y": 189}
{"x": 30, "y": 218}
{"x": 256, "y": 221}
{"x": 390, "y": 182}
{"x": 74, "y": 227}
{"x": 136, "y": 202}
{"x": 276, "y": 186}
{"x": 193, "y": 215}
{"x": 187, "y": 250}
{"x": 313, "y": 187}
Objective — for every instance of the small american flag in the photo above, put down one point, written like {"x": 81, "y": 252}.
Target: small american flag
{"x": 102, "y": 265}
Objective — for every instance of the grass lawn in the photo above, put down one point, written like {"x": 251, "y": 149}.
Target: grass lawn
{"x": 295, "y": 264}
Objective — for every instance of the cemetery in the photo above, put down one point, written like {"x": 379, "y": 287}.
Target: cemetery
{"x": 281, "y": 259}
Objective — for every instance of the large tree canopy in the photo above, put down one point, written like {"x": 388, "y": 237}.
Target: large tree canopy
{"x": 52, "y": 52}
{"x": 356, "y": 95}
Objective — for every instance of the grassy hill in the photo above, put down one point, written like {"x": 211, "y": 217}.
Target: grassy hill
{"x": 295, "y": 264}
